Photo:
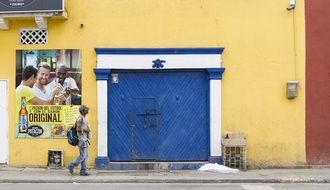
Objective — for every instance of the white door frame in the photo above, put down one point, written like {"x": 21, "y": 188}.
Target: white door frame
{"x": 208, "y": 59}
{"x": 4, "y": 126}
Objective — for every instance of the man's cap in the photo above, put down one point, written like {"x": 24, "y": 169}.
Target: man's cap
{"x": 83, "y": 108}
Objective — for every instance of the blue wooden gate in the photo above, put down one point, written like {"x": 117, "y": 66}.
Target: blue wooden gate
{"x": 159, "y": 116}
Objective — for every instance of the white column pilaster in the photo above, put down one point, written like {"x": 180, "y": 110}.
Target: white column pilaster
{"x": 102, "y": 102}
{"x": 215, "y": 118}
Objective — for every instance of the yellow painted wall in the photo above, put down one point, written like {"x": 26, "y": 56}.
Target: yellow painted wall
{"x": 264, "y": 47}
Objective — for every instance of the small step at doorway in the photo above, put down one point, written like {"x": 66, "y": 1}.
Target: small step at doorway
{"x": 153, "y": 165}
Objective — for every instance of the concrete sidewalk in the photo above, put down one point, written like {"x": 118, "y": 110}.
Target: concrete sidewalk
{"x": 44, "y": 175}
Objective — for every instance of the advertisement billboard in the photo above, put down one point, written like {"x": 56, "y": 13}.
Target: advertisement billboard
{"x": 48, "y": 92}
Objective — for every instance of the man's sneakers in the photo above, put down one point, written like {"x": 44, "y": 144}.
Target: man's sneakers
{"x": 84, "y": 174}
{"x": 71, "y": 169}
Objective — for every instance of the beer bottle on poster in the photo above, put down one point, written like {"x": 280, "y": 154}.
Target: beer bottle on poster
{"x": 23, "y": 117}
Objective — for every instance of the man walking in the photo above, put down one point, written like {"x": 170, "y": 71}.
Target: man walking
{"x": 83, "y": 131}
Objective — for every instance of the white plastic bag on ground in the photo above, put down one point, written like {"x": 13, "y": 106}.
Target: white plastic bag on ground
{"x": 217, "y": 168}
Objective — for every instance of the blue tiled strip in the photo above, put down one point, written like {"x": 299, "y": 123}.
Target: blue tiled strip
{"x": 153, "y": 165}
{"x": 102, "y": 74}
{"x": 153, "y": 51}
{"x": 101, "y": 162}
{"x": 215, "y": 73}
{"x": 216, "y": 159}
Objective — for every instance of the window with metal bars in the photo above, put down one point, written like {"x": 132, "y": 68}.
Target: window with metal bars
{"x": 33, "y": 36}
